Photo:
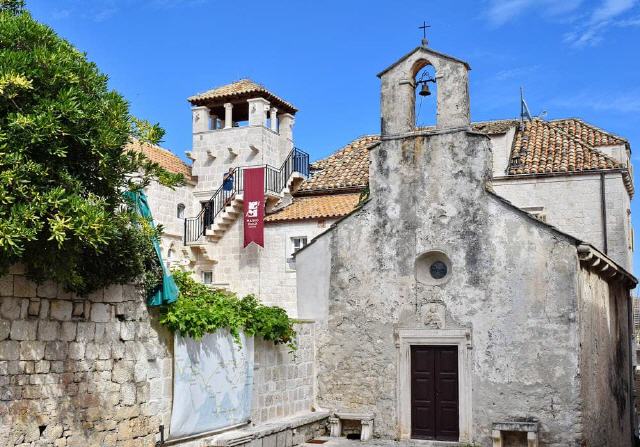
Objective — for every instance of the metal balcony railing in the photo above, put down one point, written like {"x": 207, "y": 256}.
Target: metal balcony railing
{"x": 275, "y": 180}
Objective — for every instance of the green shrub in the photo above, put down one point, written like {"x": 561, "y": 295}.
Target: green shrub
{"x": 201, "y": 310}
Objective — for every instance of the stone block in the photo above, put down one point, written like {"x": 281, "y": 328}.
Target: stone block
{"x": 61, "y": 310}
{"x": 68, "y": 331}
{"x": 127, "y": 330}
{"x": 23, "y": 288}
{"x": 44, "y": 309}
{"x": 76, "y": 350}
{"x": 10, "y": 308}
{"x": 85, "y": 331}
{"x": 100, "y": 313}
{"x": 55, "y": 350}
{"x": 24, "y": 330}
{"x": 114, "y": 294}
{"x": 32, "y": 350}
{"x": 128, "y": 394}
{"x": 78, "y": 309}
{"x": 5, "y": 329}
{"x": 42, "y": 367}
{"x": 47, "y": 289}
{"x": 34, "y": 307}
{"x": 6, "y": 285}
{"x": 122, "y": 371}
{"x": 48, "y": 330}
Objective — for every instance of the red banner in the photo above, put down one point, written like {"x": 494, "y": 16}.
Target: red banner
{"x": 253, "y": 206}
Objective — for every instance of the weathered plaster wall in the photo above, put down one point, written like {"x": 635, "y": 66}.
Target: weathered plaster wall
{"x": 80, "y": 371}
{"x": 513, "y": 285}
{"x": 572, "y": 204}
{"x": 604, "y": 361}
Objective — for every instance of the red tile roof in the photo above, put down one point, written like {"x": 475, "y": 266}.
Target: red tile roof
{"x": 316, "y": 207}
{"x": 163, "y": 157}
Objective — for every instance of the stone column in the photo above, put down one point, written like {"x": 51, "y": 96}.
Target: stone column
{"x": 258, "y": 111}
{"x": 286, "y": 125}
{"x": 228, "y": 115}
{"x": 335, "y": 427}
{"x": 366, "y": 430}
{"x": 496, "y": 438}
{"x": 273, "y": 115}
{"x": 200, "y": 119}
{"x": 214, "y": 122}
{"x": 532, "y": 439}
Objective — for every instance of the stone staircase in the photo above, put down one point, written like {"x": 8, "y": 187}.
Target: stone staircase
{"x": 225, "y": 218}
{"x": 224, "y": 206}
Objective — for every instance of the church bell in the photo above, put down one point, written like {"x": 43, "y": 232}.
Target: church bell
{"x": 424, "y": 91}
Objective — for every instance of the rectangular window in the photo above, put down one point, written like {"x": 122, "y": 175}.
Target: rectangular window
{"x": 296, "y": 243}
{"x": 207, "y": 277}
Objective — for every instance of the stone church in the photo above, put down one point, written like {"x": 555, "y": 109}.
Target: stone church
{"x": 469, "y": 282}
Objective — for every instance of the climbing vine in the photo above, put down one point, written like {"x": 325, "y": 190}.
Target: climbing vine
{"x": 202, "y": 310}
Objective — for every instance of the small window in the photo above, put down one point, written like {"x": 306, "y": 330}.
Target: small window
{"x": 297, "y": 243}
{"x": 207, "y": 277}
{"x": 180, "y": 211}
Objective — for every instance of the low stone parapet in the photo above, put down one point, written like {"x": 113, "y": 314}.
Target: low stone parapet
{"x": 286, "y": 432}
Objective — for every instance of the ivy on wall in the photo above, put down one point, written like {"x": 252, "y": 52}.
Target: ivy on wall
{"x": 201, "y": 310}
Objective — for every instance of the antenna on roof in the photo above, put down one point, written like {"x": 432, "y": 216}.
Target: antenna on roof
{"x": 524, "y": 108}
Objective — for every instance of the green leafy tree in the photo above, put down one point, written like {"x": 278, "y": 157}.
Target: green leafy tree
{"x": 64, "y": 164}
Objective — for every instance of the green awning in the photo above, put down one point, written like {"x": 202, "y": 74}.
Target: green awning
{"x": 168, "y": 292}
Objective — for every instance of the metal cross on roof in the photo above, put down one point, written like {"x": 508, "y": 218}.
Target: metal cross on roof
{"x": 424, "y": 33}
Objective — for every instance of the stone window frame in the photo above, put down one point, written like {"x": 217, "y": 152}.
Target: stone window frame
{"x": 290, "y": 247}
{"x": 407, "y": 337}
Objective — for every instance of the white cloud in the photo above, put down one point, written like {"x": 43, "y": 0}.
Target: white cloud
{"x": 503, "y": 11}
{"x": 604, "y": 16}
{"x": 621, "y": 102}
{"x": 517, "y": 72}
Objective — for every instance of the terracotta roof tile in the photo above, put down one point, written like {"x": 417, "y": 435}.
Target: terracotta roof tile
{"x": 315, "y": 207}
{"x": 542, "y": 147}
{"x": 237, "y": 89}
{"x": 557, "y": 147}
{"x": 347, "y": 169}
{"x": 163, "y": 157}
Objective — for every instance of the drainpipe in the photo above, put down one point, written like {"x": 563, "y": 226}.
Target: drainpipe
{"x": 603, "y": 210}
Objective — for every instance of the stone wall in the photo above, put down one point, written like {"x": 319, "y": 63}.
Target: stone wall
{"x": 98, "y": 370}
{"x": 283, "y": 381}
{"x": 80, "y": 371}
{"x": 572, "y": 204}
{"x": 605, "y": 369}
{"x": 512, "y": 289}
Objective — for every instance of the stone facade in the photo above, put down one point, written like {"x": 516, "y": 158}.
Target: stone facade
{"x": 510, "y": 299}
{"x": 99, "y": 370}
{"x": 572, "y": 203}
{"x": 80, "y": 371}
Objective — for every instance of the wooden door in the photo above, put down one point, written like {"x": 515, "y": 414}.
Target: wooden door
{"x": 434, "y": 392}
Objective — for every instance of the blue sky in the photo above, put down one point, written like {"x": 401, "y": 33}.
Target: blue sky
{"x": 573, "y": 57}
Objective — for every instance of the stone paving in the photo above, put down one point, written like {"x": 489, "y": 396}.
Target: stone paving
{"x": 344, "y": 442}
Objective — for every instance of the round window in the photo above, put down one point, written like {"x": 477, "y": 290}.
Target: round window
{"x": 438, "y": 270}
{"x": 433, "y": 267}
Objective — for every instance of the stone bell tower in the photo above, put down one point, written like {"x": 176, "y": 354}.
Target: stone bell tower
{"x": 239, "y": 124}
{"x": 398, "y": 91}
